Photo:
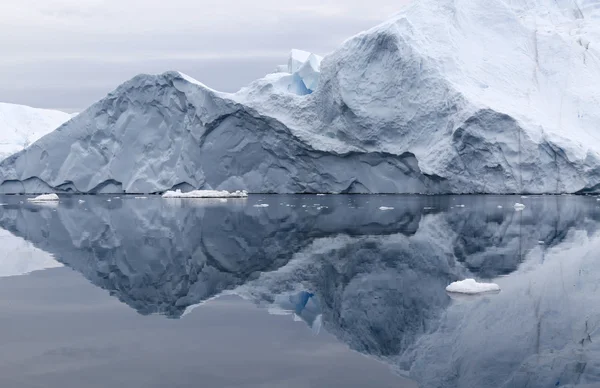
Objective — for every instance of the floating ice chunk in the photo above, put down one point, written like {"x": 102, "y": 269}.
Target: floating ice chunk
{"x": 261, "y": 205}
{"x": 386, "y": 208}
{"x": 205, "y": 194}
{"x": 519, "y": 206}
{"x": 44, "y": 198}
{"x": 81, "y": 201}
{"x": 470, "y": 286}
{"x": 524, "y": 196}
{"x": 140, "y": 197}
{"x": 321, "y": 195}
{"x": 541, "y": 242}
{"x": 460, "y": 205}
{"x": 499, "y": 206}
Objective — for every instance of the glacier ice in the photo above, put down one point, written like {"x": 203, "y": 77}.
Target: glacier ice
{"x": 502, "y": 99}
{"x": 22, "y": 125}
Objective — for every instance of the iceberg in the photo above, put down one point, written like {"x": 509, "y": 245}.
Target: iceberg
{"x": 205, "y": 194}
{"x": 22, "y": 125}
{"x": 502, "y": 99}
{"x": 44, "y": 198}
{"x": 470, "y": 286}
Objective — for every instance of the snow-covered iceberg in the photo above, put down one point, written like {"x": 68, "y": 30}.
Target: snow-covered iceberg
{"x": 22, "y": 125}
{"x": 449, "y": 96}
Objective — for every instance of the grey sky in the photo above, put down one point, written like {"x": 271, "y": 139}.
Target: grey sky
{"x": 66, "y": 54}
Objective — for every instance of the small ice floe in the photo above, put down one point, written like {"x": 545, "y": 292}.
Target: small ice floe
{"x": 471, "y": 287}
{"x": 81, "y": 201}
{"x": 519, "y": 206}
{"x": 541, "y": 242}
{"x": 205, "y": 194}
{"x": 597, "y": 199}
{"x": 108, "y": 200}
{"x": 261, "y": 205}
{"x": 321, "y": 195}
{"x": 44, "y": 198}
{"x": 386, "y": 208}
{"x": 460, "y": 205}
{"x": 524, "y": 196}
{"x": 428, "y": 208}
{"x": 140, "y": 197}
{"x": 499, "y": 206}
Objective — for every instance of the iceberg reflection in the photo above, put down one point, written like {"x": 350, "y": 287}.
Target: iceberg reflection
{"x": 376, "y": 280}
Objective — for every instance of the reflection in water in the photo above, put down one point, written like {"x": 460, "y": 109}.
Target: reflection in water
{"x": 20, "y": 257}
{"x": 374, "y": 279}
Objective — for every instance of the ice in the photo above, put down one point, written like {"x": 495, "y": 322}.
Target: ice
{"x": 205, "y": 194}
{"x": 470, "y": 286}
{"x": 22, "y": 125}
{"x": 44, "y": 198}
{"x": 502, "y": 100}
{"x": 261, "y": 205}
{"x": 299, "y": 58}
{"x": 386, "y": 208}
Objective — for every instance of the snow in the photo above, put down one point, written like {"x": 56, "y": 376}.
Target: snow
{"x": 470, "y": 286}
{"x": 22, "y": 125}
{"x": 205, "y": 194}
{"x": 44, "y": 198}
{"x": 502, "y": 99}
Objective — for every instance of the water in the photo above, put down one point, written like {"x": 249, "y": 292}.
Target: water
{"x": 308, "y": 291}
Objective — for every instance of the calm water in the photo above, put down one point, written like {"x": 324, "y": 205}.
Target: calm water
{"x": 309, "y": 291}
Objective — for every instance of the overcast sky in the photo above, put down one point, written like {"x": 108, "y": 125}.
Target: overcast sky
{"x": 66, "y": 54}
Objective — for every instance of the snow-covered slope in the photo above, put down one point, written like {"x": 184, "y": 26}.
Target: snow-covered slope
{"x": 21, "y": 125}
{"x": 463, "y": 96}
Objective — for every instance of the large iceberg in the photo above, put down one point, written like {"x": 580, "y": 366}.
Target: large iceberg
{"x": 449, "y": 96}
{"x": 22, "y": 125}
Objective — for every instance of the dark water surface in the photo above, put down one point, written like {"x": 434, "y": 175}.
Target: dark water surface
{"x": 309, "y": 291}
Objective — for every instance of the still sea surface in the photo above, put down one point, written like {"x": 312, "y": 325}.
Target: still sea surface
{"x": 299, "y": 291}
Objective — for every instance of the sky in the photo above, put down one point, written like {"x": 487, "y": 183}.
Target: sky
{"x": 67, "y": 54}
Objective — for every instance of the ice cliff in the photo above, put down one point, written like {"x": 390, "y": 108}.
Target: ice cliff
{"x": 460, "y": 96}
